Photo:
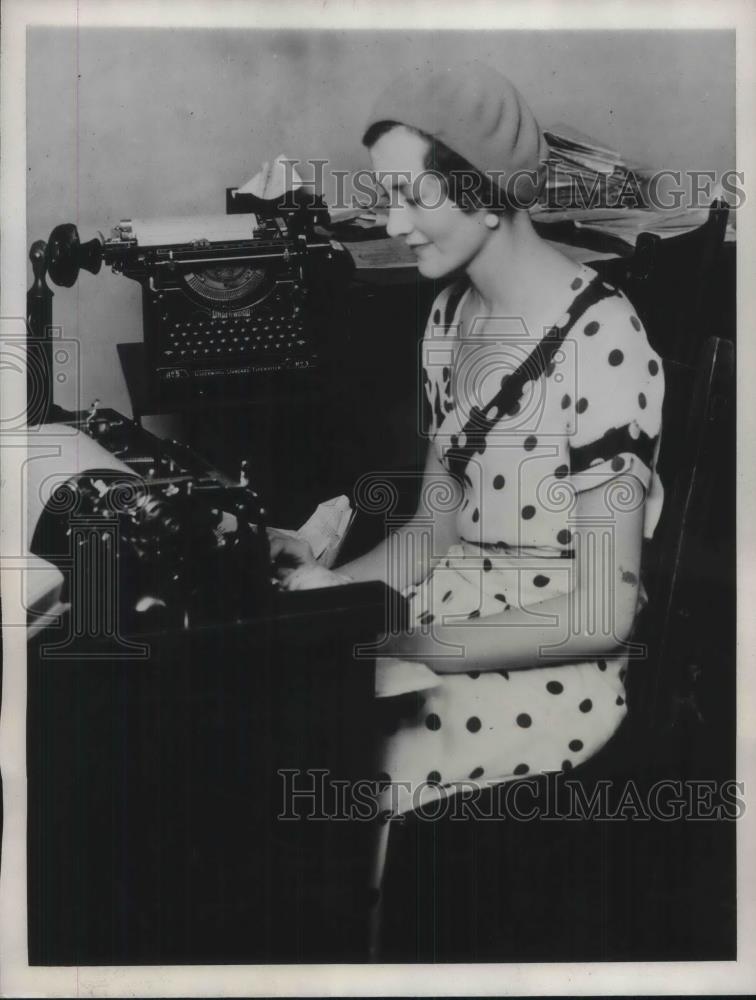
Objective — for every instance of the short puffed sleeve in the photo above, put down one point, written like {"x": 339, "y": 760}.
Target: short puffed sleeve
{"x": 619, "y": 392}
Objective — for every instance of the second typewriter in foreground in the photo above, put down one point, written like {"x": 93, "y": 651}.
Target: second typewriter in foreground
{"x": 134, "y": 534}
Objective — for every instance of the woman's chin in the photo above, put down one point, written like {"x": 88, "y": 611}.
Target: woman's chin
{"x": 430, "y": 268}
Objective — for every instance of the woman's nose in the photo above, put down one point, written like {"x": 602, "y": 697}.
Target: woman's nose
{"x": 398, "y": 224}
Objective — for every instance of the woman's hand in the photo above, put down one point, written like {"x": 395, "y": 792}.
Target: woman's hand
{"x": 295, "y": 566}
{"x": 287, "y": 555}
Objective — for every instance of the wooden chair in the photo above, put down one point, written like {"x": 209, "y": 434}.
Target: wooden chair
{"x": 669, "y": 282}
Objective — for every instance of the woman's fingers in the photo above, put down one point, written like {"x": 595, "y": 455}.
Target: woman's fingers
{"x": 288, "y": 552}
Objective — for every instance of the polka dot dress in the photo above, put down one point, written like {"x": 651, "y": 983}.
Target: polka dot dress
{"x": 592, "y": 414}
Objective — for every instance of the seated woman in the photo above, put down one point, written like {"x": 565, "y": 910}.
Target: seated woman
{"x": 522, "y": 562}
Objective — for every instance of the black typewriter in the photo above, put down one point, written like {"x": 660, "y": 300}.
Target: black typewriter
{"x": 228, "y": 301}
{"x": 182, "y": 544}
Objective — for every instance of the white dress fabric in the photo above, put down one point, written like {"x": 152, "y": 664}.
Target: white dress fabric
{"x": 592, "y": 415}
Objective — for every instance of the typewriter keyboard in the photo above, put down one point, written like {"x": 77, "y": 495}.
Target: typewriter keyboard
{"x": 244, "y": 336}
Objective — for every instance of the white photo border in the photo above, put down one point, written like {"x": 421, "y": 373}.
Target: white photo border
{"x": 17, "y": 978}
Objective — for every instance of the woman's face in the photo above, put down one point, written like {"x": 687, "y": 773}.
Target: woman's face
{"x": 443, "y": 237}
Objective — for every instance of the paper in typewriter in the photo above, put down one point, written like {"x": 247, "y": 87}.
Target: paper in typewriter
{"x": 163, "y": 230}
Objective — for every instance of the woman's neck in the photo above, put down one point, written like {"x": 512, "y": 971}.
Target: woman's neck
{"x": 514, "y": 267}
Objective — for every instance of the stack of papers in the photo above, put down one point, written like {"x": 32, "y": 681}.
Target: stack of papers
{"x": 576, "y": 163}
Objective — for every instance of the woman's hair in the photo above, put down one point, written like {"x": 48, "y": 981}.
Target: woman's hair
{"x": 465, "y": 185}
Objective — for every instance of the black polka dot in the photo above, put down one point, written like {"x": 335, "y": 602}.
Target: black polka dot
{"x": 504, "y": 674}
{"x": 474, "y": 674}
{"x": 476, "y": 772}
{"x": 521, "y": 769}
{"x": 582, "y": 405}
{"x": 426, "y": 618}
{"x": 513, "y": 409}
{"x": 554, "y": 687}
{"x": 636, "y": 322}
{"x": 601, "y": 664}
{"x": 564, "y": 537}
{"x": 618, "y": 463}
{"x": 576, "y": 283}
{"x": 620, "y": 701}
{"x": 437, "y": 316}
{"x": 590, "y": 329}
{"x": 474, "y": 614}
{"x": 487, "y": 564}
{"x": 530, "y": 442}
{"x": 540, "y": 580}
{"x": 434, "y": 778}
{"x": 498, "y": 482}
{"x": 433, "y": 722}
{"x": 586, "y": 705}
{"x": 524, "y": 721}
{"x": 446, "y": 374}
{"x": 653, "y": 367}
{"x": 576, "y": 745}
{"x": 566, "y": 765}
{"x": 447, "y": 564}
{"x": 501, "y": 597}
{"x": 566, "y": 401}
{"x": 561, "y": 471}
{"x": 473, "y": 724}
{"x": 476, "y": 516}
{"x": 528, "y": 512}
{"x": 446, "y": 596}
{"x": 616, "y": 358}
{"x": 642, "y": 401}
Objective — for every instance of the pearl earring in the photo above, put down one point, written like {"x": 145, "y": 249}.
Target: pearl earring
{"x": 492, "y": 221}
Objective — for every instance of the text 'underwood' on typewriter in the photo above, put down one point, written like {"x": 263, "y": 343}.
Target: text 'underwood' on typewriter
{"x": 229, "y": 301}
